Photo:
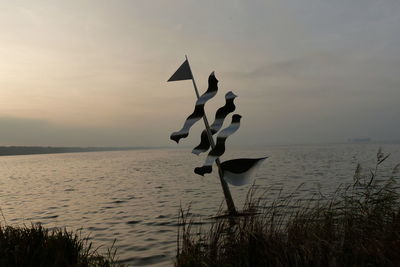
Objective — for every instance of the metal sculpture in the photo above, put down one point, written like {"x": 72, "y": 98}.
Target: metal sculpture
{"x": 236, "y": 171}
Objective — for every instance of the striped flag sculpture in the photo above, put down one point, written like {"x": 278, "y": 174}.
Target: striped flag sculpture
{"x": 198, "y": 112}
{"x": 236, "y": 171}
{"x": 220, "y": 116}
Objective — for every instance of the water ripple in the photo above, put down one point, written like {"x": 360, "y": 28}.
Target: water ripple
{"x": 134, "y": 196}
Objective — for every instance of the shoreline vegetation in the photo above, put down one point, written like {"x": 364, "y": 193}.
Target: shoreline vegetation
{"x": 38, "y": 246}
{"x": 358, "y": 225}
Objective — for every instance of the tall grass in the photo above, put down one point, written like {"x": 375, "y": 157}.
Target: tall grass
{"x": 38, "y": 246}
{"x": 358, "y": 226}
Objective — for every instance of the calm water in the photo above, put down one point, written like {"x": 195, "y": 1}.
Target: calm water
{"x": 134, "y": 196}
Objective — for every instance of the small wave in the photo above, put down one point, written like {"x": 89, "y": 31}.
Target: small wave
{"x": 133, "y": 222}
{"x": 118, "y": 201}
{"x": 143, "y": 261}
{"x": 108, "y": 207}
{"x": 49, "y": 217}
{"x": 138, "y": 248}
{"x": 93, "y": 228}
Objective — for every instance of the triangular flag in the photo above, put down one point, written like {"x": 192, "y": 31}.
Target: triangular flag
{"x": 183, "y": 73}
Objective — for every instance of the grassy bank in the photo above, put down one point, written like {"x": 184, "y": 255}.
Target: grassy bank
{"x": 38, "y": 246}
{"x": 357, "y": 226}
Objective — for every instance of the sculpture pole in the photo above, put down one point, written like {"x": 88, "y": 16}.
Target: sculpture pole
{"x": 225, "y": 187}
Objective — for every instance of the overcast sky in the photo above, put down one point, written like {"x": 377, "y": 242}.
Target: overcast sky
{"x": 93, "y": 73}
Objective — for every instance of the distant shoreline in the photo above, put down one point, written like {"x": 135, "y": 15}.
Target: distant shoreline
{"x": 36, "y": 150}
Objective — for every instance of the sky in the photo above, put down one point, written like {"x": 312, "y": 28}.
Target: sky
{"x": 93, "y": 72}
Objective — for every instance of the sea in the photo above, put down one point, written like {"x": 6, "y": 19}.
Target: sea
{"x": 133, "y": 197}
